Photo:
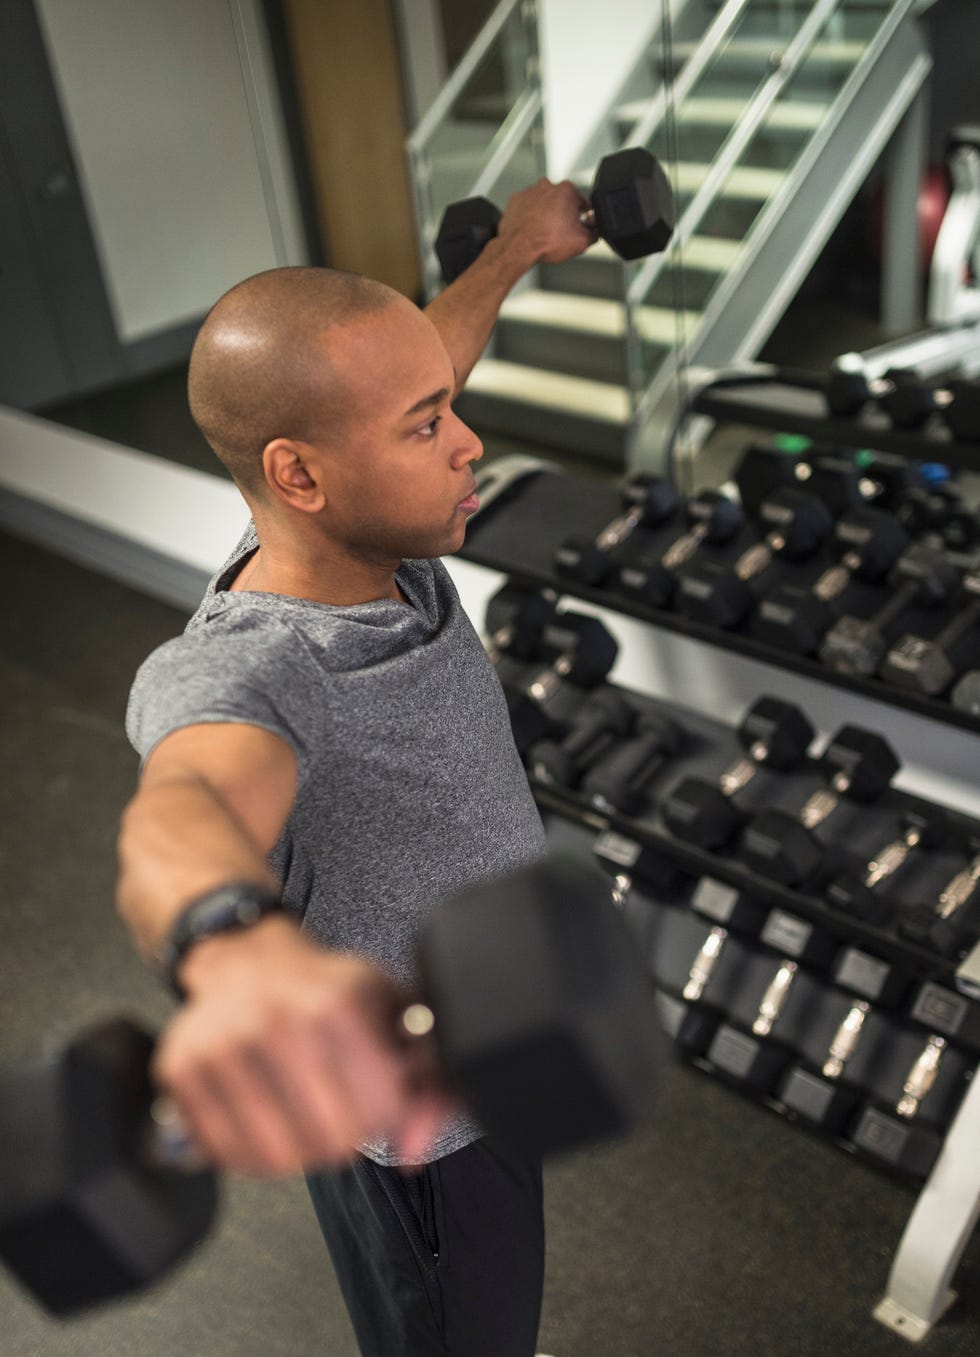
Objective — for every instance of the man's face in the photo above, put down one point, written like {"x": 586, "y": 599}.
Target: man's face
{"x": 397, "y": 470}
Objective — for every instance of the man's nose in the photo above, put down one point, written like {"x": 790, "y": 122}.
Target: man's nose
{"x": 469, "y": 447}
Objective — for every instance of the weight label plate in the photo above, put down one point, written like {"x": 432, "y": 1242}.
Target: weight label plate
{"x": 862, "y": 973}
{"x": 937, "y": 1007}
{"x": 786, "y": 933}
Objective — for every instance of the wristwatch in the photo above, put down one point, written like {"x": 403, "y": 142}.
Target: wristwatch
{"x": 236, "y": 905}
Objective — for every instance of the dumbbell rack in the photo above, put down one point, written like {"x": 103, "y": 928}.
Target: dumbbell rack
{"x": 521, "y": 542}
{"x": 523, "y": 529}
{"x": 862, "y": 960}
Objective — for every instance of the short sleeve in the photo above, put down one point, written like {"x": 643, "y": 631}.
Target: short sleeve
{"x": 257, "y": 674}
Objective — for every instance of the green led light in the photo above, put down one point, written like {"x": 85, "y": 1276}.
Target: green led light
{"x": 864, "y": 458}
{"x": 792, "y": 442}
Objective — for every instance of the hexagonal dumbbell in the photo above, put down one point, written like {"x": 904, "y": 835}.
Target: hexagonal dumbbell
{"x": 794, "y": 618}
{"x": 774, "y": 734}
{"x": 859, "y": 765}
{"x": 561, "y": 1048}
{"x": 925, "y": 664}
{"x": 712, "y": 518}
{"x": 542, "y": 706}
{"x": 722, "y": 596}
{"x": 922, "y": 577}
{"x": 631, "y": 207}
{"x": 619, "y": 781}
{"x": 648, "y": 501}
{"x": 861, "y": 894}
{"x": 606, "y": 718}
{"x": 952, "y": 922}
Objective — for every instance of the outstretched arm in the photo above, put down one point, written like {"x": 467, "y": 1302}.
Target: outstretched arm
{"x": 283, "y": 1055}
{"x": 539, "y": 226}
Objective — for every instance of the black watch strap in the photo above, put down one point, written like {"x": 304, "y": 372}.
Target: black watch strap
{"x": 236, "y": 905}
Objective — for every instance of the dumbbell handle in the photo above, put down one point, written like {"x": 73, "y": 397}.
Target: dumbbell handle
{"x": 892, "y": 856}
{"x": 845, "y": 1040}
{"x": 620, "y": 528}
{"x": 966, "y": 618}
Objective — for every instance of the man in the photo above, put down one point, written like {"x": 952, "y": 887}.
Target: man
{"x": 327, "y": 746}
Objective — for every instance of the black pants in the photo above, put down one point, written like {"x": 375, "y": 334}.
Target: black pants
{"x": 444, "y": 1262}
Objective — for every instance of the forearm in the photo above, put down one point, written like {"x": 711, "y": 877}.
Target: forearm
{"x": 466, "y": 311}
{"x": 541, "y": 225}
{"x": 177, "y": 841}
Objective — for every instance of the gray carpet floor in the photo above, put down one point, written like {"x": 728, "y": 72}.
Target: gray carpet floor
{"x": 717, "y": 1229}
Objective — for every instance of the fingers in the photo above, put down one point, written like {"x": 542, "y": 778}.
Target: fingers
{"x": 295, "y": 1070}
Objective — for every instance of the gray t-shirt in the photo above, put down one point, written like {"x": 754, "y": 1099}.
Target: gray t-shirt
{"x": 409, "y": 784}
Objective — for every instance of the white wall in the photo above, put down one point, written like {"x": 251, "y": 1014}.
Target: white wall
{"x": 587, "y": 48}
{"x": 157, "y": 114}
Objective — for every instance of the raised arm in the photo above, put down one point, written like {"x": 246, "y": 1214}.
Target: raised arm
{"x": 283, "y": 1056}
{"x": 540, "y": 225}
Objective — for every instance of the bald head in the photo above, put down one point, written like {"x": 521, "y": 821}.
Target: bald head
{"x": 259, "y": 368}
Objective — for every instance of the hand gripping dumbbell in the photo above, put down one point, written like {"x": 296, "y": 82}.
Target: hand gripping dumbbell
{"x": 860, "y": 895}
{"x": 542, "y": 1013}
{"x": 620, "y": 780}
{"x": 922, "y": 577}
{"x": 774, "y": 734}
{"x": 631, "y": 207}
{"x": 648, "y": 501}
{"x": 604, "y": 719}
{"x": 869, "y": 541}
{"x": 543, "y": 706}
{"x": 713, "y": 519}
{"x": 949, "y": 924}
{"x": 925, "y": 665}
{"x": 859, "y": 765}
{"x": 722, "y": 596}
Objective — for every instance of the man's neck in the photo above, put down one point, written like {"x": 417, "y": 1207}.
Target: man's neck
{"x": 318, "y": 573}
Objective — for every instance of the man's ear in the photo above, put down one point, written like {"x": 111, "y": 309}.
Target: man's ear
{"x": 292, "y": 473}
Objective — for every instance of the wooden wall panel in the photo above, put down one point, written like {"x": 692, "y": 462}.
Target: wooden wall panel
{"x": 350, "y": 97}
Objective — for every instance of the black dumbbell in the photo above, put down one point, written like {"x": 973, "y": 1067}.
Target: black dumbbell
{"x": 758, "y": 1060}
{"x": 822, "y": 1099}
{"x": 712, "y": 518}
{"x": 966, "y": 694}
{"x": 774, "y": 734}
{"x": 722, "y": 596}
{"x": 515, "y": 622}
{"x": 631, "y": 207}
{"x": 946, "y": 925}
{"x": 859, "y": 765}
{"x": 649, "y": 501}
{"x": 925, "y": 665}
{"x": 896, "y": 1137}
{"x": 962, "y": 410}
{"x": 605, "y": 718}
{"x": 860, "y": 895}
{"x": 542, "y": 707}
{"x": 921, "y": 577}
{"x": 910, "y": 402}
{"x": 850, "y": 386}
{"x": 870, "y": 541}
{"x": 620, "y": 779}
{"x": 543, "y": 1016}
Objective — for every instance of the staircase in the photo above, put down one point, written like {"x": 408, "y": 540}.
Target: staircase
{"x": 776, "y": 114}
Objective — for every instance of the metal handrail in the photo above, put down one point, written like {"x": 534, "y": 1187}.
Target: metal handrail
{"x": 450, "y": 92}
{"x": 731, "y": 151}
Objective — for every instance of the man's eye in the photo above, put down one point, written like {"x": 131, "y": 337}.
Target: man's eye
{"x": 429, "y": 430}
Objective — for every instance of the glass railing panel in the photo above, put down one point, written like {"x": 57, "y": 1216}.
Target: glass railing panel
{"x": 692, "y": 274}
{"x": 458, "y": 148}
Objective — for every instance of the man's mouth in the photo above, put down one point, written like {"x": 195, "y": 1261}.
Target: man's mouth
{"x": 470, "y": 504}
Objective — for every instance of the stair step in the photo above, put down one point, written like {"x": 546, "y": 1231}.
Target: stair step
{"x": 712, "y": 254}
{"x": 551, "y": 390}
{"x": 747, "y": 182}
{"x": 602, "y": 318}
{"x": 760, "y": 49}
{"x": 788, "y": 116}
